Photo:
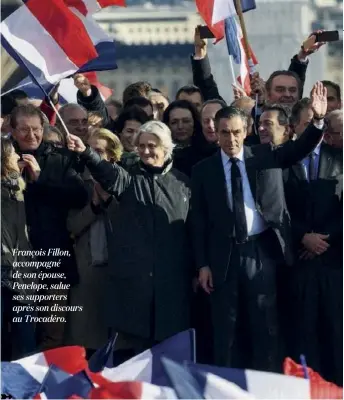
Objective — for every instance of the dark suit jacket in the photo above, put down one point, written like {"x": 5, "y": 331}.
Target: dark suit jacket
{"x": 317, "y": 206}
{"x": 212, "y": 218}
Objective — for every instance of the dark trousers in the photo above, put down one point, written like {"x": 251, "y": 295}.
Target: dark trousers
{"x": 244, "y": 308}
{"x": 17, "y": 338}
{"x": 316, "y": 317}
{"x": 51, "y": 334}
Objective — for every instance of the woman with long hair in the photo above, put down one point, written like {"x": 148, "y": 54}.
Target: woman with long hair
{"x": 17, "y": 328}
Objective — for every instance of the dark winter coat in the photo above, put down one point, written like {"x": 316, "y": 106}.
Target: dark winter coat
{"x": 14, "y": 236}
{"x": 149, "y": 260}
{"x": 48, "y": 201}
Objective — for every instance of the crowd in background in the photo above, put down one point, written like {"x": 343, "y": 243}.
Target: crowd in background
{"x": 180, "y": 213}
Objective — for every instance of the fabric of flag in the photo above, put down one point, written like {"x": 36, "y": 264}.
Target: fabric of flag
{"x": 261, "y": 385}
{"x": 93, "y": 6}
{"x": 103, "y": 357}
{"x": 48, "y": 40}
{"x": 320, "y": 389}
{"x": 215, "y": 12}
{"x": 147, "y": 366}
{"x": 67, "y": 90}
{"x": 182, "y": 380}
{"x": 233, "y": 43}
{"x": 131, "y": 390}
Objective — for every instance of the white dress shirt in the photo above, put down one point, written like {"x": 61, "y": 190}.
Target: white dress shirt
{"x": 254, "y": 220}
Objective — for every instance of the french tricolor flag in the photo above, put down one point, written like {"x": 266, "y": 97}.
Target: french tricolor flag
{"x": 55, "y": 39}
{"x": 221, "y": 18}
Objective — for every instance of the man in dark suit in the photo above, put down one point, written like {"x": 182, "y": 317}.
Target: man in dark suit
{"x": 313, "y": 190}
{"x": 241, "y": 234}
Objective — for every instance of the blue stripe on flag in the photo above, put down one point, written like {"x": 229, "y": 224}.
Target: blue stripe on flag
{"x": 248, "y": 5}
{"x": 17, "y": 382}
{"x": 236, "y": 376}
{"x": 231, "y": 32}
{"x": 182, "y": 381}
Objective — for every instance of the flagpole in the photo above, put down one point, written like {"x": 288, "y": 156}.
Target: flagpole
{"x": 58, "y": 114}
{"x": 245, "y": 37}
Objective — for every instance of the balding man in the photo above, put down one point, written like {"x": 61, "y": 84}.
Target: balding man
{"x": 334, "y": 132}
{"x": 75, "y": 118}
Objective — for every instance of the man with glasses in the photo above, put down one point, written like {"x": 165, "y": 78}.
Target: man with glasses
{"x": 76, "y": 119}
{"x": 53, "y": 187}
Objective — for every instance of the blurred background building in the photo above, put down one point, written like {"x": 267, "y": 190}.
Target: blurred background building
{"x": 155, "y": 40}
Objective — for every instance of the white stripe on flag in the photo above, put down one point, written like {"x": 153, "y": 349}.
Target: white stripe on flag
{"x": 222, "y": 9}
{"x": 264, "y": 385}
{"x": 219, "y": 388}
{"x": 21, "y": 29}
{"x": 92, "y": 6}
{"x": 95, "y": 32}
{"x": 136, "y": 369}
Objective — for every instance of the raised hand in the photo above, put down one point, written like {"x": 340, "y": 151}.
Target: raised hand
{"x": 310, "y": 45}
{"x": 200, "y": 44}
{"x": 31, "y": 166}
{"x": 258, "y": 88}
{"x": 319, "y": 100}
{"x": 238, "y": 92}
{"x": 83, "y": 84}
{"x": 74, "y": 143}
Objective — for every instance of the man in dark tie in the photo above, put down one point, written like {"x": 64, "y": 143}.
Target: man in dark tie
{"x": 314, "y": 190}
{"x": 241, "y": 234}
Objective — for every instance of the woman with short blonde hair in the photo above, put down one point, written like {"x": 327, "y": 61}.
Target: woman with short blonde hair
{"x": 106, "y": 143}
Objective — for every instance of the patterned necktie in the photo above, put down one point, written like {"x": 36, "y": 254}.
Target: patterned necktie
{"x": 238, "y": 202}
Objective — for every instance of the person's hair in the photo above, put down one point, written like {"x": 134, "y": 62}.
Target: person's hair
{"x": 113, "y": 144}
{"x": 155, "y": 90}
{"x": 28, "y": 110}
{"x": 134, "y": 113}
{"x": 335, "y": 114}
{"x": 162, "y": 132}
{"x": 8, "y": 104}
{"x": 53, "y": 129}
{"x": 6, "y": 151}
{"x": 228, "y": 113}
{"x": 94, "y": 117}
{"x": 138, "y": 101}
{"x": 70, "y": 106}
{"x": 111, "y": 101}
{"x": 268, "y": 83}
{"x": 297, "y": 109}
{"x": 18, "y": 94}
{"x": 283, "y": 113}
{"x": 335, "y": 87}
{"x": 186, "y": 105}
{"x": 213, "y": 101}
{"x": 137, "y": 89}
{"x": 189, "y": 89}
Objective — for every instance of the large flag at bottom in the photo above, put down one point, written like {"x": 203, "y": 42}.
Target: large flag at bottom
{"x": 147, "y": 366}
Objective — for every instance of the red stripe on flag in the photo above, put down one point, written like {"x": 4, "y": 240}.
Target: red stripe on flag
{"x": 205, "y": 9}
{"x": 109, "y": 3}
{"x": 71, "y": 359}
{"x": 78, "y": 4}
{"x": 66, "y": 28}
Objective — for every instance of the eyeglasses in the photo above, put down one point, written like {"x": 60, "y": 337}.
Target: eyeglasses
{"x": 27, "y": 129}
